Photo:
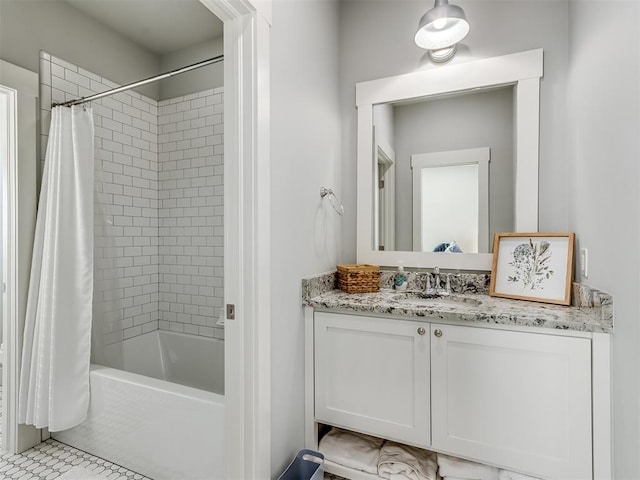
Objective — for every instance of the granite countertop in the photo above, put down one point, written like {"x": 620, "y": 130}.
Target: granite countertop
{"x": 592, "y": 310}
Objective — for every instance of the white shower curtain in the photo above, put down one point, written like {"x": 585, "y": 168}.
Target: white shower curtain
{"x": 54, "y": 378}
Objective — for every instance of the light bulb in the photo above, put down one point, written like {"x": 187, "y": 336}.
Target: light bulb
{"x": 439, "y": 23}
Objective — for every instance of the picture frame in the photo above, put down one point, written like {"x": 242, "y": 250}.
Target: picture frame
{"x": 533, "y": 266}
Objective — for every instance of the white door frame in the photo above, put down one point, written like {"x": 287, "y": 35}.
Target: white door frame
{"x": 21, "y": 90}
{"x": 8, "y": 166}
{"x": 480, "y": 156}
{"x": 386, "y": 204}
{"x": 247, "y": 235}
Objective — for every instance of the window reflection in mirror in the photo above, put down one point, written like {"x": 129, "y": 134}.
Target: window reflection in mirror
{"x": 447, "y": 219}
{"x": 461, "y": 121}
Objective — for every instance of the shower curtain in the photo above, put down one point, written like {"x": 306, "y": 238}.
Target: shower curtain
{"x": 54, "y": 378}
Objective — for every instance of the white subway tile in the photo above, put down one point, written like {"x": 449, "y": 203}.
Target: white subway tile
{"x": 112, "y": 103}
{"x": 132, "y": 332}
{"x": 182, "y": 106}
{"x": 197, "y": 103}
{"x": 190, "y": 114}
{"x": 112, "y": 124}
{"x": 122, "y": 118}
{"x": 77, "y": 79}
{"x": 150, "y": 118}
{"x": 57, "y": 70}
{"x": 140, "y": 104}
{"x": 166, "y": 208}
{"x": 141, "y": 124}
{"x": 124, "y": 98}
{"x": 64, "y": 85}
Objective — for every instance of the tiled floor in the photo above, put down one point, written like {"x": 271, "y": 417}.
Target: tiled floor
{"x": 51, "y": 459}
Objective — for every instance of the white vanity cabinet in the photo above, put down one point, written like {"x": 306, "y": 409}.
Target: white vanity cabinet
{"x": 528, "y": 401}
{"x": 514, "y": 399}
{"x": 372, "y": 375}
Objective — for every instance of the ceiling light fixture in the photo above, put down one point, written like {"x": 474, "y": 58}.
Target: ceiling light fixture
{"x": 440, "y": 29}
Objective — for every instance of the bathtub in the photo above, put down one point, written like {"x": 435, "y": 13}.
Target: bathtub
{"x": 151, "y": 419}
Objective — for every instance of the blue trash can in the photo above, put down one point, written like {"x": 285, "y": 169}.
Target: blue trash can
{"x": 308, "y": 465}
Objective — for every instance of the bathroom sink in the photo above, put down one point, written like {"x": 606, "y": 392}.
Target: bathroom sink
{"x": 433, "y": 299}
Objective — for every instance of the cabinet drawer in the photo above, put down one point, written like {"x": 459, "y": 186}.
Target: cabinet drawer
{"x": 372, "y": 375}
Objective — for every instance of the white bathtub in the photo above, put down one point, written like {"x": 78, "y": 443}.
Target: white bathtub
{"x": 160, "y": 429}
{"x": 177, "y": 357}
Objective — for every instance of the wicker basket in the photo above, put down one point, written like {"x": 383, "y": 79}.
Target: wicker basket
{"x": 359, "y": 278}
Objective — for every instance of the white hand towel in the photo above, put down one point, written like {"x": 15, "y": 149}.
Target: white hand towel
{"x": 402, "y": 462}
{"x": 509, "y": 475}
{"x": 352, "y": 450}
{"x": 464, "y": 469}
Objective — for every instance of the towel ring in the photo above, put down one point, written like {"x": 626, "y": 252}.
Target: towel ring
{"x": 333, "y": 199}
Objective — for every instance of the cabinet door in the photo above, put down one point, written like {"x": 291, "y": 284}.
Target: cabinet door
{"x": 516, "y": 400}
{"x": 372, "y": 375}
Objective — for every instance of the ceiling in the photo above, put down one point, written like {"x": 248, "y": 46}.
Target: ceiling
{"x": 160, "y": 26}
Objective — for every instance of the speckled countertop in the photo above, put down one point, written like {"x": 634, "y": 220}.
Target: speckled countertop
{"x": 592, "y": 310}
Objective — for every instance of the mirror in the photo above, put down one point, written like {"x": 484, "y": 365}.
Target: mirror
{"x": 446, "y": 158}
{"x": 435, "y": 140}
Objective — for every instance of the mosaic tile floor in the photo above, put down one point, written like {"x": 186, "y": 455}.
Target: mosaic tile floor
{"x": 52, "y": 459}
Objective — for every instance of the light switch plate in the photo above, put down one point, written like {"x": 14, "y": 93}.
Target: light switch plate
{"x": 584, "y": 262}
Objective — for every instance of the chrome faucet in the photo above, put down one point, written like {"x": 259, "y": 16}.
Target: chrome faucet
{"x": 435, "y": 290}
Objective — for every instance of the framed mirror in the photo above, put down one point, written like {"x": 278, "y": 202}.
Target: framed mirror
{"x": 446, "y": 158}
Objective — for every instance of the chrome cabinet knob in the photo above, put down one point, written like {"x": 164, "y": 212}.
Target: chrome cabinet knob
{"x": 437, "y": 332}
{"x": 421, "y": 331}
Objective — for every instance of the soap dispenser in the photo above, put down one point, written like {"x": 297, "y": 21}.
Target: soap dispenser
{"x": 400, "y": 279}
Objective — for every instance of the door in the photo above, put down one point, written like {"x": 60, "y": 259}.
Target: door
{"x": 372, "y": 375}
{"x": 518, "y": 400}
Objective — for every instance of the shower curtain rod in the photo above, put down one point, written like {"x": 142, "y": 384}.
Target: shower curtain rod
{"x": 139, "y": 83}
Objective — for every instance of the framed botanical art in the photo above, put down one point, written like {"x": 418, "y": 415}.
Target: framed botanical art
{"x": 533, "y": 266}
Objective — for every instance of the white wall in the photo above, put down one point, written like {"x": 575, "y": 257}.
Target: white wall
{"x": 26, "y": 27}
{"x": 383, "y": 123}
{"x": 305, "y": 232}
{"x": 481, "y": 119}
{"x": 376, "y": 40}
{"x": 198, "y": 80}
{"x": 604, "y": 152}
{"x": 190, "y": 211}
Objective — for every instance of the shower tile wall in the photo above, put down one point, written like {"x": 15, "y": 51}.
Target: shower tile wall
{"x": 190, "y": 211}
{"x": 126, "y": 233}
{"x": 127, "y": 237}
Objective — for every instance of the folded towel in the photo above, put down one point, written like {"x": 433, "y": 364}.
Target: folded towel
{"x": 464, "y": 469}
{"x": 350, "y": 449}
{"x": 407, "y": 463}
{"x": 508, "y": 475}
